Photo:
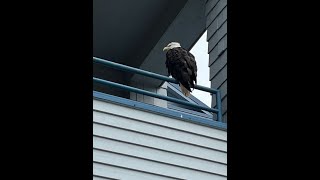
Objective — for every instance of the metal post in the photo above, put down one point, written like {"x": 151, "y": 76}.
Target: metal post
{"x": 218, "y": 101}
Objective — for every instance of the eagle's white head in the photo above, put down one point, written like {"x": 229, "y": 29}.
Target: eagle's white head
{"x": 171, "y": 46}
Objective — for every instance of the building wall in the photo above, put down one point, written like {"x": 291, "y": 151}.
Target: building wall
{"x": 216, "y": 23}
{"x": 132, "y": 144}
{"x": 162, "y": 90}
{"x": 109, "y": 74}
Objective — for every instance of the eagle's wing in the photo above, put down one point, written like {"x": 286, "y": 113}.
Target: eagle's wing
{"x": 192, "y": 65}
{"x": 182, "y": 66}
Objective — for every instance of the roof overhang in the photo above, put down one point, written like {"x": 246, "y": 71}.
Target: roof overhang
{"x": 134, "y": 32}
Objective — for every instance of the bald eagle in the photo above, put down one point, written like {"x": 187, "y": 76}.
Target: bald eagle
{"x": 182, "y": 66}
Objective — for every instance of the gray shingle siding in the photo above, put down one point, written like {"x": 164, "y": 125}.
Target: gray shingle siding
{"x": 217, "y": 50}
{"x": 216, "y": 23}
{"x": 218, "y": 36}
{"x": 219, "y": 77}
{"x": 218, "y": 64}
{"x": 215, "y": 11}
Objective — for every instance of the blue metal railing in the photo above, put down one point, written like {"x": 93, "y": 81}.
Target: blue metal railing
{"x": 160, "y": 77}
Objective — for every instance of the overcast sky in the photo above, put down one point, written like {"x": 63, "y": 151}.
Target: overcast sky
{"x": 200, "y": 51}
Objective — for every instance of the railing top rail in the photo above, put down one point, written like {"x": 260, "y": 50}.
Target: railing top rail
{"x": 160, "y": 77}
{"x": 146, "y": 73}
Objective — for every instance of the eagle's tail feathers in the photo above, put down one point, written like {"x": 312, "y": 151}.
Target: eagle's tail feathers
{"x": 184, "y": 90}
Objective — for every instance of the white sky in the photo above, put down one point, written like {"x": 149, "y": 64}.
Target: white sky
{"x": 200, "y": 51}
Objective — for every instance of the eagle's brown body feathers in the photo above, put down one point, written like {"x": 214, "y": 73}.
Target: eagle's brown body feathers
{"x": 182, "y": 66}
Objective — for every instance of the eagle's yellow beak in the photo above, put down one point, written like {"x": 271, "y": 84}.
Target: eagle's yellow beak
{"x": 165, "y": 48}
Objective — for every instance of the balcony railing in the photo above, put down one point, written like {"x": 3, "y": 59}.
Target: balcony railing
{"x": 122, "y": 67}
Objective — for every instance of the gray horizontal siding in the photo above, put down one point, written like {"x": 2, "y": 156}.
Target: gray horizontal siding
{"x": 112, "y": 145}
{"x": 173, "y": 123}
{"x": 124, "y": 173}
{"x": 152, "y": 166}
{"x": 156, "y": 142}
{"x": 134, "y": 144}
{"x": 97, "y": 177}
{"x": 216, "y": 12}
{"x": 158, "y": 131}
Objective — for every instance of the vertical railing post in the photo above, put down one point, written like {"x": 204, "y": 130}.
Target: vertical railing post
{"x": 218, "y": 102}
